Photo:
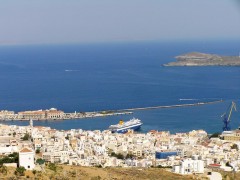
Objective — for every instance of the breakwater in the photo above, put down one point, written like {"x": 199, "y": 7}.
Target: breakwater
{"x": 60, "y": 115}
{"x": 171, "y": 106}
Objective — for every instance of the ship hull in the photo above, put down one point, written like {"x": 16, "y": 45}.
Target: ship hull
{"x": 124, "y": 130}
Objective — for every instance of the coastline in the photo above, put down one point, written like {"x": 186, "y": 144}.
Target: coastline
{"x": 70, "y": 116}
{"x": 81, "y": 115}
{"x": 202, "y": 59}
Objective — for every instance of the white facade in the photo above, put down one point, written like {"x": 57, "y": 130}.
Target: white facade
{"x": 8, "y": 150}
{"x": 26, "y": 159}
{"x": 189, "y": 166}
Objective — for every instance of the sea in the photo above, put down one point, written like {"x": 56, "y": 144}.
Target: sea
{"x": 121, "y": 75}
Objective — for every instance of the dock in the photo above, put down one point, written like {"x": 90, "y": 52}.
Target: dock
{"x": 54, "y": 114}
{"x": 171, "y": 106}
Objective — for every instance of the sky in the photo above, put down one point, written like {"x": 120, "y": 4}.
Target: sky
{"x": 83, "y": 21}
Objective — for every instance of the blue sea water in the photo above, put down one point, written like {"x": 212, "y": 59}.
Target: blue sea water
{"x": 93, "y": 77}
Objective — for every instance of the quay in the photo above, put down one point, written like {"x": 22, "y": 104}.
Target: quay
{"x": 54, "y": 114}
{"x": 44, "y": 115}
{"x": 172, "y": 106}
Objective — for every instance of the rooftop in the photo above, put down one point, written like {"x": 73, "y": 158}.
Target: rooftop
{"x": 24, "y": 150}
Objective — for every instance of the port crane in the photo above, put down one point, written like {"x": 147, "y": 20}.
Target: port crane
{"x": 227, "y": 115}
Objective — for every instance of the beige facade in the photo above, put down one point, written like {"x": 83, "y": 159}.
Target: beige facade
{"x": 234, "y": 136}
{"x": 41, "y": 114}
{"x": 54, "y": 114}
{"x": 32, "y": 114}
{"x": 231, "y": 138}
{"x": 6, "y": 114}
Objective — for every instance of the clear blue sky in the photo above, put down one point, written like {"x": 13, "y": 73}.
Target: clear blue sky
{"x": 79, "y": 21}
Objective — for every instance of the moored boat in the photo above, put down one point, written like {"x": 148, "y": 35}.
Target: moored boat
{"x": 123, "y": 127}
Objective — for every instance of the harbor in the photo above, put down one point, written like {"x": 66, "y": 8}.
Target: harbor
{"x": 55, "y": 114}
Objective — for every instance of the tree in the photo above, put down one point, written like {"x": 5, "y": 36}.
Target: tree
{"x": 129, "y": 156}
{"x": 14, "y": 134}
{"x": 113, "y": 154}
{"x": 40, "y": 161}
{"x": 20, "y": 171}
{"x": 234, "y": 146}
{"x": 5, "y": 160}
{"x": 26, "y": 137}
{"x": 14, "y": 156}
{"x": 11, "y": 158}
{"x": 215, "y": 135}
{"x": 118, "y": 156}
{"x": 37, "y": 151}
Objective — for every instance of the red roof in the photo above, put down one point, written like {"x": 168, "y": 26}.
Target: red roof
{"x": 216, "y": 165}
{"x": 25, "y": 150}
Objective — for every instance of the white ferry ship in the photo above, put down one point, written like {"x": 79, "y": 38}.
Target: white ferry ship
{"x": 123, "y": 127}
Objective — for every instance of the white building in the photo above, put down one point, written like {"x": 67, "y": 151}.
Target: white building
{"x": 189, "y": 166}
{"x": 26, "y": 158}
{"x": 8, "y": 150}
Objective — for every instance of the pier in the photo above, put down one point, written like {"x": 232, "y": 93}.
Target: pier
{"x": 171, "y": 106}
{"x": 54, "y": 114}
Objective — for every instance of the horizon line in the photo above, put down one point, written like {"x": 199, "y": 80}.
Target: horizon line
{"x": 177, "y": 40}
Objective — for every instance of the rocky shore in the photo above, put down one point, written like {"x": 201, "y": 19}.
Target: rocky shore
{"x": 202, "y": 59}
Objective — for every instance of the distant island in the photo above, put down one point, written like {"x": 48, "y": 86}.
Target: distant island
{"x": 202, "y": 59}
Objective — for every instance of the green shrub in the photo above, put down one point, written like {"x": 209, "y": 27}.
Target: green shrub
{"x": 20, "y": 171}
{"x": 40, "y": 161}
{"x": 234, "y": 146}
{"x": 3, "y": 170}
{"x": 11, "y": 158}
{"x": 26, "y": 137}
{"x": 215, "y": 135}
{"x": 52, "y": 167}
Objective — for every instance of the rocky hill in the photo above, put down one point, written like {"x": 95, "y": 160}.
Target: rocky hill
{"x": 65, "y": 172}
{"x": 202, "y": 59}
